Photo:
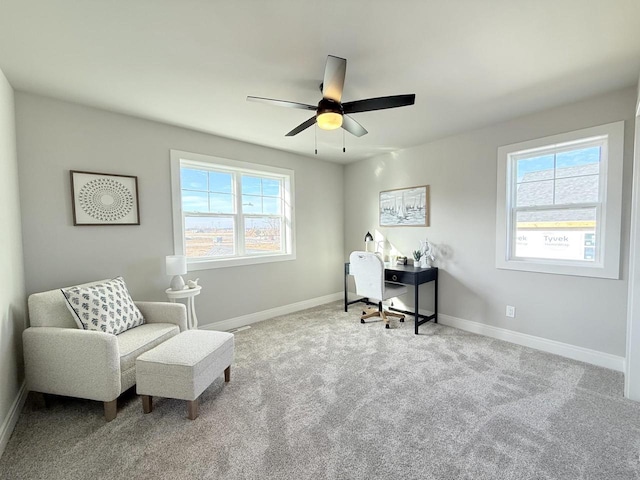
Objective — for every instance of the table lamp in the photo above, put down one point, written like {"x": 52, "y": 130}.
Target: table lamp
{"x": 368, "y": 243}
{"x": 176, "y": 266}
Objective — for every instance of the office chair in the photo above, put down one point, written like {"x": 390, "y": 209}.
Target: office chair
{"x": 367, "y": 269}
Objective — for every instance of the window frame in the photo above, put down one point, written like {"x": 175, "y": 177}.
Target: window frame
{"x": 608, "y": 213}
{"x": 211, "y": 163}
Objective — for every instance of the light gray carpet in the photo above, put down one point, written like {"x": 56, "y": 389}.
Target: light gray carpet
{"x": 317, "y": 395}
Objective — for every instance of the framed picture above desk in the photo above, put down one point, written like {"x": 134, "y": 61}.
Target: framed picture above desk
{"x": 407, "y": 275}
{"x": 405, "y": 207}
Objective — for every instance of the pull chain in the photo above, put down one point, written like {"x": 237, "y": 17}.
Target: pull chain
{"x": 344, "y": 150}
{"x": 315, "y": 138}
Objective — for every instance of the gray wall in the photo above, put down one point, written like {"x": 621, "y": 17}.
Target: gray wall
{"x": 461, "y": 170}
{"x": 632, "y": 367}
{"x": 55, "y": 137}
{"x": 12, "y": 290}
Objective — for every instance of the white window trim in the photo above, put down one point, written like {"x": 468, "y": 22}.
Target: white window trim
{"x": 608, "y": 265}
{"x": 178, "y": 226}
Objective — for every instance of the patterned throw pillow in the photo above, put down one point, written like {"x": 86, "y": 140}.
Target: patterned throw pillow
{"x": 106, "y": 307}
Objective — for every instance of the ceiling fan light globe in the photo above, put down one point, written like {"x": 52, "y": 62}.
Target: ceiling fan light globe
{"x": 329, "y": 120}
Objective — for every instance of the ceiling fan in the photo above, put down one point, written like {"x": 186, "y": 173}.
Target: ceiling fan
{"x": 331, "y": 113}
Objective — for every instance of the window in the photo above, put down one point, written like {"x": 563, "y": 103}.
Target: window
{"x": 559, "y": 203}
{"x": 230, "y": 213}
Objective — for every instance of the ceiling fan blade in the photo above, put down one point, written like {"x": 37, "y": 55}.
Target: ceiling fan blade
{"x": 379, "y": 103}
{"x": 301, "y": 127}
{"x": 281, "y": 103}
{"x": 353, "y": 127}
{"x": 333, "y": 83}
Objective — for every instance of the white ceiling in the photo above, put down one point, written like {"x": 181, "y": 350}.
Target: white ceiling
{"x": 192, "y": 63}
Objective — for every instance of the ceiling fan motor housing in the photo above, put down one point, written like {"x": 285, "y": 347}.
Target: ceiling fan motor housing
{"x": 327, "y": 105}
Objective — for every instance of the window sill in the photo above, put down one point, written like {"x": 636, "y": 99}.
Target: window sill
{"x": 194, "y": 264}
{"x": 594, "y": 271}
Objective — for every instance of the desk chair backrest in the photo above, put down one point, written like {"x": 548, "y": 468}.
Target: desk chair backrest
{"x": 367, "y": 269}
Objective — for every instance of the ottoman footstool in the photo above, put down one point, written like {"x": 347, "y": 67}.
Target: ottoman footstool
{"x": 183, "y": 367}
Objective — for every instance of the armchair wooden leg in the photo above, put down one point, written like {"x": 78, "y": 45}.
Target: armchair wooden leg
{"x": 110, "y": 410}
{"x": 147, "y": 403}
{"x": 192, "y": 409}
{"x": 227, "y": 374}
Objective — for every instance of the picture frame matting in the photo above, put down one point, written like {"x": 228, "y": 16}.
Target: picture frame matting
{"x": 104, "y": 199}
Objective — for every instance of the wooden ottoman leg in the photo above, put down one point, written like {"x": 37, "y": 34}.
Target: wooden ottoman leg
{"x": 110, "y": 410}
{"x": 147, "y": 403}
{"x": 192, "y": 409}
{"x": 227, "y": 374}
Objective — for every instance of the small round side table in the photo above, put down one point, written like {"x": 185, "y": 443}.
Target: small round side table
{"x": 189, "y": 294}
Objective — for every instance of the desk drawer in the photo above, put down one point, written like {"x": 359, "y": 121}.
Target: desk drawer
{"x": 399, "y": 277}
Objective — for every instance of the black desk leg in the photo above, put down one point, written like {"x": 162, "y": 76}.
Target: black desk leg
{"x": 416, "y": 307}
{"x": 346, "y": 305}
{"x": 435, "y": 293}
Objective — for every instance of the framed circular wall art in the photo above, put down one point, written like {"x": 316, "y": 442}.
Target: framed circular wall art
{"x": 104, "y": 199}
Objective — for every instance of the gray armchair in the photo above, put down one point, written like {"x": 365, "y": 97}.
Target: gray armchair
{"x": 62, "y": 359}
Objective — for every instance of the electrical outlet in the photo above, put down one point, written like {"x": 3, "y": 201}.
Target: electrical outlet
{"x": 511, "y": 311}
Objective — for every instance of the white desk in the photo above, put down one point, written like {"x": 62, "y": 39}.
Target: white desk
{"x": 189, "y": 294}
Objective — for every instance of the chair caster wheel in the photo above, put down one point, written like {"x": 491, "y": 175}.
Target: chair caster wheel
{"x": 387, "y": 326}
{"x": 361, "y": 321}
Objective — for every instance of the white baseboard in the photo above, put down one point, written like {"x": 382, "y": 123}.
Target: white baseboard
{"x": 581, "y": 354}
{"x": 231, "y": 323}
{"x": 12, "y": 417}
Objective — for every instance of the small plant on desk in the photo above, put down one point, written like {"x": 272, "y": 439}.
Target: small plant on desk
{"x": 417, "y": 255}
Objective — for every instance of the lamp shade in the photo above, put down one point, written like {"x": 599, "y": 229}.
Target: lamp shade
{"x": 176, "y": 264}
{"x": 329, "y": 120}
